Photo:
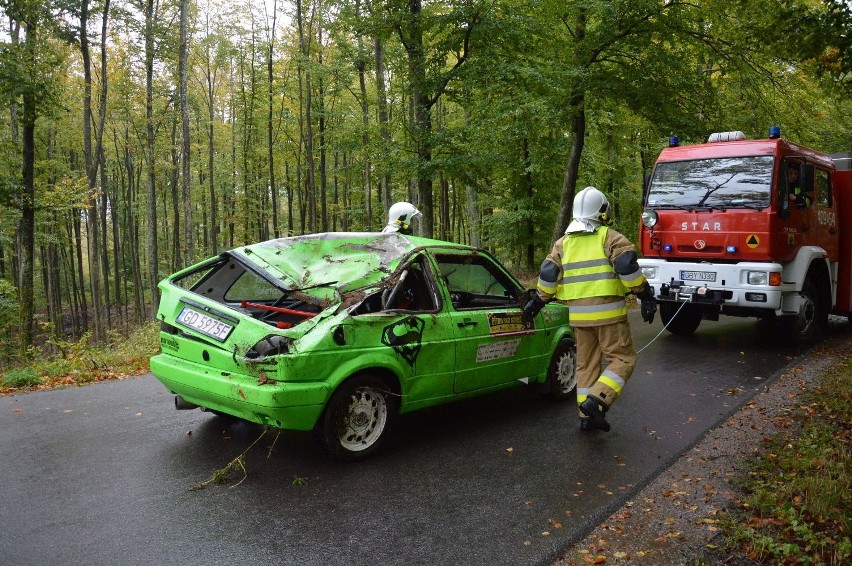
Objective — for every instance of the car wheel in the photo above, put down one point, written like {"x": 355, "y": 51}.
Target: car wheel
{"x": 562, "y": 373}
{"x": 680, "y": 318}
{"x": 358, "y": 417}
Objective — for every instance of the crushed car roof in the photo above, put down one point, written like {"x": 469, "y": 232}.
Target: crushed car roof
{"x": 340, "y": 260}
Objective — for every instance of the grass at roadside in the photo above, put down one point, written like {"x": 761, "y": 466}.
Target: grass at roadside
{"x": 82, "y": 363}
{"x": 797, "y": 509}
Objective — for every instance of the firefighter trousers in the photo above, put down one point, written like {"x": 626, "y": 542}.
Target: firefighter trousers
{"x": 612, "y": 342}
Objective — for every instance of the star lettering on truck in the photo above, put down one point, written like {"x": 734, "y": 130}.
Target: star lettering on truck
{"x": 706, "y": 226}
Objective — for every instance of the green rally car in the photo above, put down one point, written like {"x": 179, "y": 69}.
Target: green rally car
{"x": 342, "y": 332}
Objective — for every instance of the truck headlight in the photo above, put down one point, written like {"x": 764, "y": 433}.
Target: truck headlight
{"x": 757, "y": 277}
{"x": 650, "y": 272}
{"x": 650, "y": 218}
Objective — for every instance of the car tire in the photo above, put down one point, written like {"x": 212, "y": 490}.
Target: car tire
{"x": 358, "y": 417}
{"x": 562, "y": 373}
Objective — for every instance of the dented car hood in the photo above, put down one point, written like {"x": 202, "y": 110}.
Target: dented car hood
{"x": 327, "y": 265}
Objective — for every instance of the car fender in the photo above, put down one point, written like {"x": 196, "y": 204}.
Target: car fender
{"x": 378, "y": 365}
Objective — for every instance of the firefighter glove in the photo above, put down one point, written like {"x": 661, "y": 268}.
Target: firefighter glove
{"x": 649, "y": 307}
{"x": 531, "y": 309}
{"x": 646, "y": 293}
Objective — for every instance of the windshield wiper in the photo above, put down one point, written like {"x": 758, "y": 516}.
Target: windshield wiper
{"x": 687, "y": 207}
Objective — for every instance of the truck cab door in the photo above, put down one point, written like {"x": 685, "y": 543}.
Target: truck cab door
{"x": 825, "y": 218}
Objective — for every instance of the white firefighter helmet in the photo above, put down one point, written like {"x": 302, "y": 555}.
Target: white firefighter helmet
{"x": 591, "y": 210}
{"x": 400, "y": 216}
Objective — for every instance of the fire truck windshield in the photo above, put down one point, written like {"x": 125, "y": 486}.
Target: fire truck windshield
{"x": 726, "y": 182}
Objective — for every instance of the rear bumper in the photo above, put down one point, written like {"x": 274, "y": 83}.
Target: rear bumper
{"x": 295, "y": 406}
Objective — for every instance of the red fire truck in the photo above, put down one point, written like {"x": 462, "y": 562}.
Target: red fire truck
{"x": 754, "y": 228}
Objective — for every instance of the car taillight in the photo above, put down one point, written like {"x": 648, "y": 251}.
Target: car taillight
{"x": 272, "y": 345}
{"x": 168, "y": 328}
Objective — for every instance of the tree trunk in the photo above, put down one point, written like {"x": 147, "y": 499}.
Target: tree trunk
{"x": 177, "y": 250}
{"x": 569, "y": 183}
{"x": 26, "y": 226}
{"x": 276, "y": 229}
{"x": 186, "y": 145}
{"x": 211, "y": 177}
{"x": 384, "y": 123}
{"x": 153, "y": 255}
{"x": 422, "y": 131}
{"x": 577, "y": 103}
{"x": 92, "y": 164}
{"x": 304, "y": 48}
{"x": 323, "y": 204}
{"x": 365, "y": 143}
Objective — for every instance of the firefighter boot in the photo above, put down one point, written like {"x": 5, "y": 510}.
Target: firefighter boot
{"x": 586, "y": 424}
{"x": 594, "y": 408}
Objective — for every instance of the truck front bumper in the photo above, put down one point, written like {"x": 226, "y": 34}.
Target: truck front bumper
{"x": 736, "y": 285}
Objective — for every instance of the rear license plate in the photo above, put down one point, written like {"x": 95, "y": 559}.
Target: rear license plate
{"x": 698, "y": 275}
{"x": 204, "y": 324}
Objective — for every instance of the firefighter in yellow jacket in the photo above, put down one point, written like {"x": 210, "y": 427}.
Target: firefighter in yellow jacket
{"x": 592, "y": 267}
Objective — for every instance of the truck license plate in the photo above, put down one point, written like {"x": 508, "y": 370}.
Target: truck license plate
{"x": 204, "y": 324}
{"x": 698, "y": 275}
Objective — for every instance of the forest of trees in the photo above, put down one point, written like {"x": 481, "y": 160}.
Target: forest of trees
{"x": 139, "y": 136}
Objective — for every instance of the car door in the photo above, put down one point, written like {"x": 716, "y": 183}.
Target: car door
{"x": 403, "y": 328}
{"x": 492, "y": 344}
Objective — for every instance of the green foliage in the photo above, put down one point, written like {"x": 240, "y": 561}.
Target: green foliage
{"x": 21, "y": 377}
{"x": 798, "y": 508}
{"x": 80, "y": 362}
{"x": 8, "y": 316}
{"x": 8, "y": 305}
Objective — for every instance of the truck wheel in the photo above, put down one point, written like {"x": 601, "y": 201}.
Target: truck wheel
{"x": 562, "y": 372}
{"x": 358, "y": 417}
{"x": 680, "y": 318}
{"x": 806, "y": 326}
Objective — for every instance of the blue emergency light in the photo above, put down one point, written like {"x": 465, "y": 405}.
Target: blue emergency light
{"x": 674, "y": 141}
{"x": 774, "y": 132}
{"x": 667, "y": 248}
{"x": 731, "y": 249}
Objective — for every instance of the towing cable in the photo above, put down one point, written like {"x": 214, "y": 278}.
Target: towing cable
{"x": 666, "y": 325}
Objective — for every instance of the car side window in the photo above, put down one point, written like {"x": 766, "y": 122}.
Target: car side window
{"x": 474, "y": 282}
{"x": 414, "y": 293}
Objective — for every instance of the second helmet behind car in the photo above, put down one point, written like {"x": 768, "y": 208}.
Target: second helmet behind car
{"x": 400, "y": 216}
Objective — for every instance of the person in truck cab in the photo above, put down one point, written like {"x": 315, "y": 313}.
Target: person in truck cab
{"x": 591, "y": 268}
{"x": 798, "y": 196}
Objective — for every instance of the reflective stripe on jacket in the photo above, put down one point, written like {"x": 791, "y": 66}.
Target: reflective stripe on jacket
{"x": 586, "y": 270}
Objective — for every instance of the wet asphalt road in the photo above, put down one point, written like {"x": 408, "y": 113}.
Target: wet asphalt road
{"x": 101, "y": 474}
